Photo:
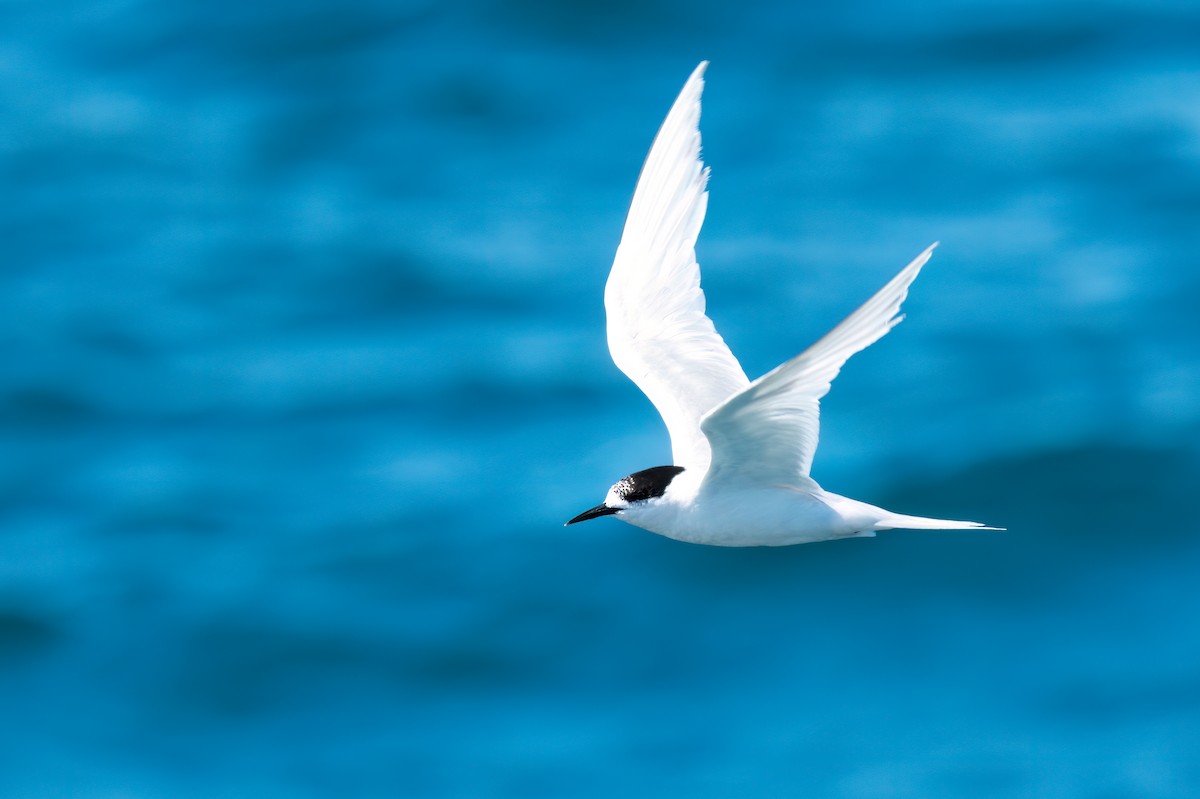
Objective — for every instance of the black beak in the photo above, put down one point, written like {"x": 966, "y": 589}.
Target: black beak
{"x": 594, "y": 513}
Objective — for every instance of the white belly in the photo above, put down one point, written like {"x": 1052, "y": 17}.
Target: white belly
{"x": 755, "y": 517}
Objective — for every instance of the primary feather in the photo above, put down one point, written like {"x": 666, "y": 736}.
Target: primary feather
{"x": 658, "y": 332}
{"x": 767, "y": 433}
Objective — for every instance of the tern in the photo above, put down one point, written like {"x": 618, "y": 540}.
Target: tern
{"x": 742, "y": 450}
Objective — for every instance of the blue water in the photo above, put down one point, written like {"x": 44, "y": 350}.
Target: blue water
{"x": 304, "y": 368}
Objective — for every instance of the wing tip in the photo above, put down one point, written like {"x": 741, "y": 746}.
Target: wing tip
{"x": 696, "y": 78}
{"x": 925, "y": 254}
{"x": 695, "y": 81}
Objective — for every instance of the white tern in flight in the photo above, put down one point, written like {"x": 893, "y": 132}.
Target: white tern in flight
{"x": 742, "y": 449}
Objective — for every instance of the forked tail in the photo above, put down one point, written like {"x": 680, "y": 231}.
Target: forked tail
{"x": 899, "y": 521}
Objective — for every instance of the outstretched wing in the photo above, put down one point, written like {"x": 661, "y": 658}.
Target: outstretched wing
{"x": 658, "y": 333}
{"x": 767, "y": 434}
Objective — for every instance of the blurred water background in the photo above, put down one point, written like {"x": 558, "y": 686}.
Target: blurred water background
{"x": 304, "y": 367}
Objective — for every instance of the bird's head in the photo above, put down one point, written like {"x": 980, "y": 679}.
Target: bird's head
{"x": 626, "y": 493}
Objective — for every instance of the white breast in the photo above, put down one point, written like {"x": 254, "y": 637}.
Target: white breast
{"x": 752, "y": 516}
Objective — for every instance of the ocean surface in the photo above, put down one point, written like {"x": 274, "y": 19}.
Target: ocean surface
{"x": 304, "y": 368}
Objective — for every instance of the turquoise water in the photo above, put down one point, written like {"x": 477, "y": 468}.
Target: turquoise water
{"x": 305, "y": 368}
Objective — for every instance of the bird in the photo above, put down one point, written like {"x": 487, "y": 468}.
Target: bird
{"x": 742, "y": 450}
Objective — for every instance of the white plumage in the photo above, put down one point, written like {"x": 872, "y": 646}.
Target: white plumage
{"x": 658, "y": 333}
{"x": 745, "y": 448}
